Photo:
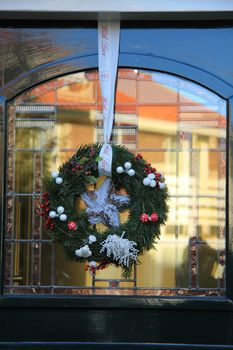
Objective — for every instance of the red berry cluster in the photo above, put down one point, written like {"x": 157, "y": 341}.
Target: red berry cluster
{"x": 92, "y": 152}
{"x": 92, "y": 269}
{"x": 149, "y": 170}
{"x": 102, "y": 265}
{"x": 145, "y": 217}
{"x": 138, "y": 156}
{"x": 157, "y": 179}
{"x": 49, "y": 224}
{"x": 75, "y": 166}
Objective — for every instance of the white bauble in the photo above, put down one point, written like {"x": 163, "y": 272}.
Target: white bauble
{"x": 63, "y": 217}
{"x": 152, "y": 183}
{"x": 59, "y": 180}
{"x": 52, "y": 214}
{"x": 127, "y": 165}
{"x": 92, "y": 239}
{"x": 78, "y": 253}
{"x": 60, "y": 210}
{"x": 131, "y": 172}
{"x": 85, "y": 251}
{"x": 162, "y": 185}
{"x": 119, "y": 170}
{"x": 151, "y": 176}
{"x": 146, "y": 181}
{"x": 54, "y": 174}
{"x": 92, "y": 263}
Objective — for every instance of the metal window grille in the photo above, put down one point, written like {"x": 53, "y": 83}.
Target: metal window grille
{"x": 28, "y": 251}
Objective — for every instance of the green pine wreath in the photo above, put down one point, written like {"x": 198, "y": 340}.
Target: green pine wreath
{"x": 82, "y": 240}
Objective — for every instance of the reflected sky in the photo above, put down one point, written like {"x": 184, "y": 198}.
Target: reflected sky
{"x": 192, "y": 92}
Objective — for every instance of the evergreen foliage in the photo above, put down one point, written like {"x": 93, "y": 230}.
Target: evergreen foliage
{"x": 78, "y": 173}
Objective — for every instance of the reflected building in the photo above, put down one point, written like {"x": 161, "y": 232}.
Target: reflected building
{"x": 177, "y": 125}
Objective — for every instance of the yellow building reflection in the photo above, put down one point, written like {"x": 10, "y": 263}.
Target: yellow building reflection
{"x": 178, "y": 126}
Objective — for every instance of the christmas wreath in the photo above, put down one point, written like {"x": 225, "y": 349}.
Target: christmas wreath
{"x": 135, "y": 186}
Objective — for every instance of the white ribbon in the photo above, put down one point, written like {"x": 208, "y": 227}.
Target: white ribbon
{"x": 108, "y": 52}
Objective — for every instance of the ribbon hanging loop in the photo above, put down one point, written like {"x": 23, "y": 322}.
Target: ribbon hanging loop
{"x": 108, "y": 52}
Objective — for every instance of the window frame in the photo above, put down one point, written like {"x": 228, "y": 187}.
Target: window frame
{"x": 129, "y": 60}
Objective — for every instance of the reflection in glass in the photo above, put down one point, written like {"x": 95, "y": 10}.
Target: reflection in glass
{"x": 24, "y": 165}
{"x": 46, "y": 268}
{"x": 178, "y": 126}
{"x": 65, "y": 274}
{"x": 207, "y": 265}
{"x": 35, "y": 137}
{"x": 77, "y": 90}
{"x": 21, "y": 264}
{"x": 23, "y": 217}
{"x": 71, "y": 134}
{"x": 161, "y": 268}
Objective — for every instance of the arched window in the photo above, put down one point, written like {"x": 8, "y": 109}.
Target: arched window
{"x": 179, "y": 126}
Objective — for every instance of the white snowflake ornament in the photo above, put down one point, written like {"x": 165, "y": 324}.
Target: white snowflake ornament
{"x": 103, "y": 205}
{"x": 121, "y": 249}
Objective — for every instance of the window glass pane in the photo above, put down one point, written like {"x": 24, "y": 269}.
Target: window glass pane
{"x": 160, "y": 121}
{"x": 150, "y": 92}
{"x": 69, "y": 133}
{"x": 24, "y": 165}
{"x": 178, "y": 126}
{"x": 23, "y": 217}
{"x": 46, "y": 268}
